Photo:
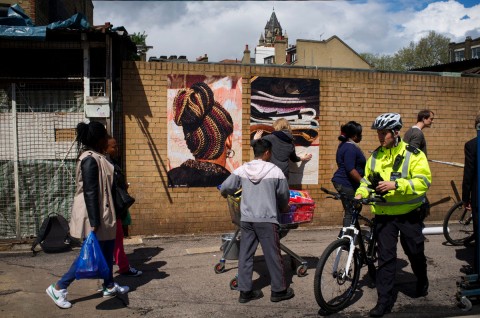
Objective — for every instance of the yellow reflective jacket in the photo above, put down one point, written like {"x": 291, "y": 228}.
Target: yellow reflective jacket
{"x": 413, "y": 177}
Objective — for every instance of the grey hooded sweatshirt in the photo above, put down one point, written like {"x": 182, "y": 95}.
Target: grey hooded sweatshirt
{"x": 265, "y": 191}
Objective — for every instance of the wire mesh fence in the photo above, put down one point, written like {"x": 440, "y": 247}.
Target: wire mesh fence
{"x": 37, "y": 153}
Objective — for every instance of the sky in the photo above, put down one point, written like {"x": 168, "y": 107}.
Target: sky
{"x": 222, "y": 29}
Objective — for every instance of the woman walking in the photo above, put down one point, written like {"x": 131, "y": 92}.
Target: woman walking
{"x": 93, "y": 208}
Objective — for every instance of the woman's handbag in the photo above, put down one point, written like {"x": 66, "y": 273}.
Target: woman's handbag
{"x": 91, "y": 262}
{"x": 122, "y": 202}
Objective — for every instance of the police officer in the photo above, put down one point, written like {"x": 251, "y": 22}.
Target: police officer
{"x": 401, "y": 174}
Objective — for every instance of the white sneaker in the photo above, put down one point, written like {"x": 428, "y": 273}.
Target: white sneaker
{"x": 58, "y": 296}
{"x": 116, "y": 289}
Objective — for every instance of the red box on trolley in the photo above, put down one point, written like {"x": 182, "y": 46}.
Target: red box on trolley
{"x": 301, "y": 204}
{"x": 302, "y": 207}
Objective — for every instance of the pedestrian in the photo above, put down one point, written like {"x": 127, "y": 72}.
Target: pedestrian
{"x": 265, "y": 193}
{"x": 401, "y": 174}
{"x": 93, "y": 208}
{"x": 470, "y": 187}
{"x": 124, "y": 268}
{"x": 414, "y": 136}
{"x": 283, "y": 149}
{"x": 351, "y": 166}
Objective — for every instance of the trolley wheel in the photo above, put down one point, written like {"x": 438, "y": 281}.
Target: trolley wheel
{"x": 219, "y": 268}
{"x": 465, "y": 304}
{"x": 234, "y": 283}
{"x": 302, "y": 270}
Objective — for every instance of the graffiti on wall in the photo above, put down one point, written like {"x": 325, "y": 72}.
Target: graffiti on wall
{"x": 297, "y": 101}
{"x": 204, "y": 116}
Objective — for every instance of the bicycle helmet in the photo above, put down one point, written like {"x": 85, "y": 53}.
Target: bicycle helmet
{"x": 388, "y": 121}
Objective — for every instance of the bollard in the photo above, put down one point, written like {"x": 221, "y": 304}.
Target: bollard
{"x": 432, "y": 230}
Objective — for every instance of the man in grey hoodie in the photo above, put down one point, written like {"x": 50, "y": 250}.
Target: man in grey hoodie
{"x": 265, "y": 193}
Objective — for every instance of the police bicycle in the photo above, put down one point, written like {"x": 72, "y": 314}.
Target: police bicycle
{"x": 458, "y": 222}
{"x": 338, "y": 269}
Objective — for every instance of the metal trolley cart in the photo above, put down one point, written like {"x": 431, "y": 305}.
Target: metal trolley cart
{"x": 301, "y": 211}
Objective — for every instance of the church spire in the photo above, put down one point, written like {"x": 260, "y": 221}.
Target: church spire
{"x": 272, "y": 28}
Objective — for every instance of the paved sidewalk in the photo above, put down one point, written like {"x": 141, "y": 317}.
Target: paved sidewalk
{"x": 179, "y": 281}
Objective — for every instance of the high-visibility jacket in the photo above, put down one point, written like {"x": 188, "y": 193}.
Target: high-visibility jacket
{"x": 413, "y": 177}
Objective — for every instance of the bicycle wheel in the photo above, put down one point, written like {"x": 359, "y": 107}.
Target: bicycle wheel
{"x": 458, "y": 224}
{"x": 333, "y": 287}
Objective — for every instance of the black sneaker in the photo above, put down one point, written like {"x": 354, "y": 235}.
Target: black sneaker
{"x": 283, "y": 295}
{"x": 380, "y": 309}
{"x": 132, "y": 272}
{"x": 422, "y": 288}
{"x": 245, "y": 297}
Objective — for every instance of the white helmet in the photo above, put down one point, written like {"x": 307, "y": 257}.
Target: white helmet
{"x": 388, "y": 121}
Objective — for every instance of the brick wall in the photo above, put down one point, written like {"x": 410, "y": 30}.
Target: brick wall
{"x": 344, "y": 95}
{"x": 40, "y": 11}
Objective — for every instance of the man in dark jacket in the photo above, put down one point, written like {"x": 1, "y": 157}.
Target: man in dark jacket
{"x": 470, "y": 185}
{"x": 414, "y": 136}
{"x": 264, "y": 194}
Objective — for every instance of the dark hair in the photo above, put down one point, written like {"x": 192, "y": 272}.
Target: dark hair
{"x": 90, "y": 134}
{"x": 206, "y": 124}
{"x": 260, "y": 146}
{"x": 424, "y": 114}
{"x": 349, "y": 130}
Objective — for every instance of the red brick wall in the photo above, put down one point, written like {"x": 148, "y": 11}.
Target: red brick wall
{"x": 344, "y": 95}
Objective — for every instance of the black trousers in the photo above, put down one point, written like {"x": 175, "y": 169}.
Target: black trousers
{"x": 347, "y": 217}
{"x": 412, "y": 240}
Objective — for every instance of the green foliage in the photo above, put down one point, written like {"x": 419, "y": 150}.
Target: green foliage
{"x": 430, "y": 50}
{"x": 140, "y": 40}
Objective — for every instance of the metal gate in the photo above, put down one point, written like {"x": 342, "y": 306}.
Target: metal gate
{"x": 37, "y": 153}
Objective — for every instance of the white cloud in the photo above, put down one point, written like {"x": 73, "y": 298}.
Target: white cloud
{"x": 222, "y": 29}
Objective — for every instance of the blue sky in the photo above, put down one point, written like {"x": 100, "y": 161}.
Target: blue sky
{"x": 221, "y": 29}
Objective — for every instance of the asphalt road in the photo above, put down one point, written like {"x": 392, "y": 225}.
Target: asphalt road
{"x": 179, "y": 281}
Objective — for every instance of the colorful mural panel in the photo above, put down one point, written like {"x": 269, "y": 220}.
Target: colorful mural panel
{"x": 204, "y": 116}
{"x": 297, "y": 101}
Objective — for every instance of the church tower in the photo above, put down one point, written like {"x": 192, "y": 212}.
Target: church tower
{"x": 272, "y": 43}
{"x": 273, "y": 32}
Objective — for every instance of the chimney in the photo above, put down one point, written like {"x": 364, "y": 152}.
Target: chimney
{"x": 246, "y": 55}
{"x": 202, "y": 58}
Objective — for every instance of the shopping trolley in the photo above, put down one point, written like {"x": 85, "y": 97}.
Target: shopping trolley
{"x": 301, "y": 210}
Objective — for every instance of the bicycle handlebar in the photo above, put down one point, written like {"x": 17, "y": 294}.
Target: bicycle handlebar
{"x": 364, "y": 201}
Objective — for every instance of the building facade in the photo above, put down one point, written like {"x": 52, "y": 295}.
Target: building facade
{"x": 467, "y": 50}
{"x": 273, "y": 48}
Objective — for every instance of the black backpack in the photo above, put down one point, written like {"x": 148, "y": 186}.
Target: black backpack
{"x": 54, "y": 235}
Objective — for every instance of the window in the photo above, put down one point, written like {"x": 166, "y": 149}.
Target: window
{"x": 476, "y": 52}
{"x": 269, "y": 60}
{"x": 459, "y": 55}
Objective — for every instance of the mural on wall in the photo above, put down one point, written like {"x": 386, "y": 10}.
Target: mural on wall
{"x": 204, "y": 116}
{"x": 297, "y": 101}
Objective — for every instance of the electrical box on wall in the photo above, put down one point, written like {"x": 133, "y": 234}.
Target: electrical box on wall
{"x": 97, "y": 106}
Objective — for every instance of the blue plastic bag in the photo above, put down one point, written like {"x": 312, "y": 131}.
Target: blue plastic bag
{"x": 91, "y": 262}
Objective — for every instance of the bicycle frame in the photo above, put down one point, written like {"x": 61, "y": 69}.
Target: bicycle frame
{"x": 354, "y": 233}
